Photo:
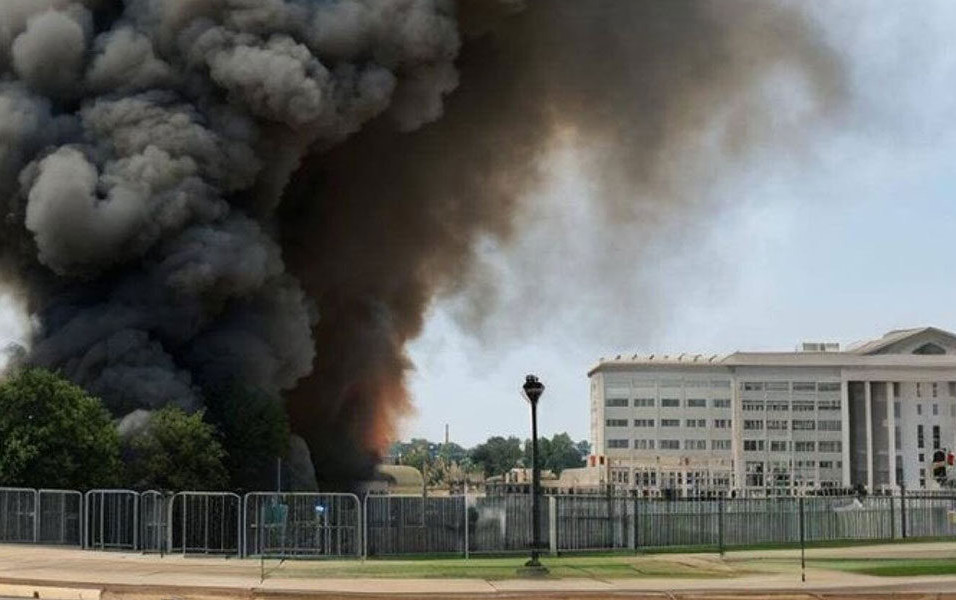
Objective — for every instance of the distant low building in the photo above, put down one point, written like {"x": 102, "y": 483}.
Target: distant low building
{"x": 396, "y": 479}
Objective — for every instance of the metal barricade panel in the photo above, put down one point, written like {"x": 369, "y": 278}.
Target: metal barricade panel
{"x": 415, "y": 525}
{"x": 110, "y": 520}
{"x": 154, "y": 521}
{"x": 205, "y": 523}
{"x": 18, "y": 515}
{"x": 61, "y": 517}
{"x": 302, "y": 524}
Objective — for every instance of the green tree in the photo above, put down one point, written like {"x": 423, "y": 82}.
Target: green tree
{"x": 557, "y": 454}
{"x": 54, "y": 435}
{"x": 497, "y": 455}
{"x": 176, "y": 451}
{"x": 255, "y": 431}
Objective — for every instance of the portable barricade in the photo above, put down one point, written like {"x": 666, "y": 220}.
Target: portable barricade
{"x": 61, "y": 517}
{"x": 154, "y": 521}
{"x": 302, "y": 524}
{"x": 110, "y": 520}
{"x": 18, "y": 515}
{"x": 205, "y": 523}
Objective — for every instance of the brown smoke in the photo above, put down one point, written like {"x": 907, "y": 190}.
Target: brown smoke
{"x": 663, "y": 94}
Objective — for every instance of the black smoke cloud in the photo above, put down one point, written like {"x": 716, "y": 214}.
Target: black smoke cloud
{"x": 274, "y": 191}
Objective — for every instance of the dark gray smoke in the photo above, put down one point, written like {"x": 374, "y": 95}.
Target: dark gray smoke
{"x": 273, "y": 191}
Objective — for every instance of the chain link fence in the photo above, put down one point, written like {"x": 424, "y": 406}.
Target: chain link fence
{"x": 315, "y": 525}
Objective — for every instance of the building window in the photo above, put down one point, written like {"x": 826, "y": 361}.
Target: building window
{"x": 778, "y": 407}
{"x": 753, "y": 425}
{"x": 896, "y": 410}
{"x": 935, "y": 389}
{"x": 701, "y": 423}
{"x": 935, "y": 409}
{"x": 670, "y": 402}
{"x": 952, "y": 388}
{"x": 643, "y": 422}
{"x": 777, "y": 425}
{"x": 919, "y": 437}
{"x": 616, "y": 422}
{"x": 643, "y": 403}
{"x": 936, "y": 445}
{"x": 720, "y": 444}
{"x": 778, "y": 386}
{"x": 804, "y": 425}
{"x": 778, "y": 446}
{"x": 802, "y": 406}
{"x": 919, "y": 390}
{"x": 832, "y": 386}
{"x": 896, "y": 388}
{"x": 721, "y": 402}
{"x": 829, "y": 425}
{"x": 723, "y": 423}
{"x": 617, "y": 444}
{"x": 754, "y": 471}
{"x": 804, "y": 386}
{"x": 752, "y": 386}
{"x": 696, "y": 403}
{"x": 695, "y": 444}
{"x": 920, "y": 457}
{"x": 753, "y": 445}
{"x": 826, "y": 464}
{"x": 615, "y": 402}
{"x": 804, "y": 446}
{"x": 670, "y": 422}
{"x": 669, "y": 445}
{"x": 643, "y": 444}
{"x": 919, "y": 409}
{"x": 897, "y": 437}
{"x": 753, "y": 405}
{"x": 828, "y": 405}
{"x": 831, "y": 446}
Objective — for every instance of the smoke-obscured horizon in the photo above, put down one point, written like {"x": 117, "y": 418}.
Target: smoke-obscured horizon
{"x": 273, "y": 192}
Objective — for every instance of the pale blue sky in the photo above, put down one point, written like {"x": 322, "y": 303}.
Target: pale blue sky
{"x": 855, "y": 239}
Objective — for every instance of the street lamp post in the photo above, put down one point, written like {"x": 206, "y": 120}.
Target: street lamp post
{"x": 533, "y": 389}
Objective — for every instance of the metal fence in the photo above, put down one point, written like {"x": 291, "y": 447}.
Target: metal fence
{"x": 302, "y": 524}
{"x": 205, "y": 523}
{"x": 314, "y": 525}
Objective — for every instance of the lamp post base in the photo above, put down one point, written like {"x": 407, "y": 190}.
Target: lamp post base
{"x": 533, "y": 568}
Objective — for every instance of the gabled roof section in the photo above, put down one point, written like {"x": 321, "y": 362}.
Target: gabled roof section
{"x": 908, "y": 341}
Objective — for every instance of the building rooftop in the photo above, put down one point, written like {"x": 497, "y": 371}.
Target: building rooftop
{"x": 934, "y": 348}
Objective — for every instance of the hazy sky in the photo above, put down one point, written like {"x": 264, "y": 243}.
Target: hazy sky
{"x": 849, "y": 238}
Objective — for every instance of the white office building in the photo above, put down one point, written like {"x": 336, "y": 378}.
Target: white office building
{"x": 871, "y": 415}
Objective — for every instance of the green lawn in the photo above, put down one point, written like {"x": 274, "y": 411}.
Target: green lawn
{"x": 890, "y": 567}
{"x": 594, "y": 567}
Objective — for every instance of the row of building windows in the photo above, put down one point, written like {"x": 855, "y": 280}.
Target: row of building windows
{"x": 797, "y": 406}
{"x": 786, "y": 386}
{"x": 798, "y": 446}
{"x": 667, "y": 402}
{"x": 695, "y": 423}
{"x": 642, "y": 444}
{"x": 796, "y": 425}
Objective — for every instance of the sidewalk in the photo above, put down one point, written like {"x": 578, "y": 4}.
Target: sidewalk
{"x": 83, "y": 575}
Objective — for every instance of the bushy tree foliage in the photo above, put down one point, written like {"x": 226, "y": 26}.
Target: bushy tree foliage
{"x": 558, "y": 453}
{"x": 498, "y": 455}
{"x": 54, "y": 435}
{"x": 176, "y": 451}
{"x": 255, "y": 430}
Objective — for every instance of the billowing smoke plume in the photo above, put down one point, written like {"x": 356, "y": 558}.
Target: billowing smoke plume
{"x": 273, "y": 191}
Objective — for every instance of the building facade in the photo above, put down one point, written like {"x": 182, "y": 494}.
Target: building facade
{"x": 767, "y": 423}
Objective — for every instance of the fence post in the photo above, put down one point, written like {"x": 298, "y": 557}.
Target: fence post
{"x": 892, "y": 518}
{"x": 720, "y": 525}
{"x": 634, "y": 522}
{"x": 36, "y": 516}
{"x": 903, "y": 510}
{"x": 803, "y": 556}
{"x": 467, "y": 519}
{"x": 553, "y": 524}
